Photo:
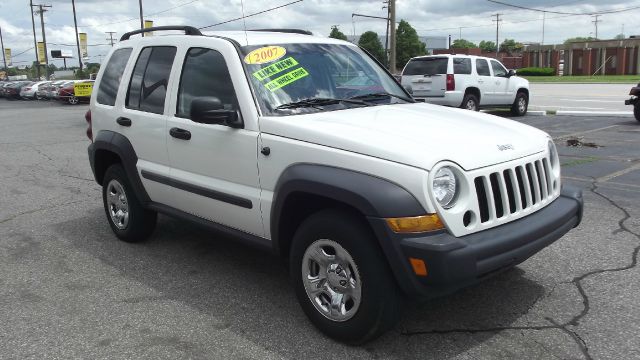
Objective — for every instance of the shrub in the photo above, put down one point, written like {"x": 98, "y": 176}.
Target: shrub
{"x": 537, "y": 71}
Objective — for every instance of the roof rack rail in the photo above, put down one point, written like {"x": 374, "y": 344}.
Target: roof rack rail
{"x": 188, "y": 30}
{"x": 288, "y": 31}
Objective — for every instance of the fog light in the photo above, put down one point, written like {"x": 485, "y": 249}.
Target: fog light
{"x": 416, "y": 224}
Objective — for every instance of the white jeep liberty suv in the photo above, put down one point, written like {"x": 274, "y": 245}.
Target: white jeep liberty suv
{"x": 307, "y": 147}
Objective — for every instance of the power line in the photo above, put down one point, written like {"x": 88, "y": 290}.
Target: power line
{"x": 110, "y": 36}
{"x": 250, "y": 15}
{"x": 562, "y": 12}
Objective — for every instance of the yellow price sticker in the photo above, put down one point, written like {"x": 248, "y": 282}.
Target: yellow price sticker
{"x": 82, "y": 89}
{"x": 265, "y": 54}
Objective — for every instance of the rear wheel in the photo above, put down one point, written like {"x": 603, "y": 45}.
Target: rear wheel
{"x": 520, "y": 105}
{"x": 128, "y": 219}
{"x": 73, "y": 100}
{"x": 341, "y": 278}
{"x": 636, "y": 111}
{"x": 470, "y": 102}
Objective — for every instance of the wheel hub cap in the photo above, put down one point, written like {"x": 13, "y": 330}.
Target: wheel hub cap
{"x": 331, "y": 280}
{"x": 117, "y": 204}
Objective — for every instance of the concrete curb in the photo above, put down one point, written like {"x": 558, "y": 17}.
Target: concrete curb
{"x": 595, "y": 113}
{"x": 536, "y": 113}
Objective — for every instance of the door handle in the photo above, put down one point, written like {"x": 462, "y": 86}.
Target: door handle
{"x": 123, "y": 121}
{"x": 180, "y": 133}
{"x": 481, "y": 81}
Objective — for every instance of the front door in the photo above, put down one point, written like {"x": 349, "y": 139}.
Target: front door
{"x": 214, "y": 169}
{"x": 501, "y": 83}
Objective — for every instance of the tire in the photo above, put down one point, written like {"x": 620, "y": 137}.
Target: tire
{"x": 128, "y": 219}
{"x": 357, "y": 257}
{"x": 470, "y": 102}
{"x": 520, "y": 105}
{"x": 636, "y": 111}
{"x": 73, "y": 100}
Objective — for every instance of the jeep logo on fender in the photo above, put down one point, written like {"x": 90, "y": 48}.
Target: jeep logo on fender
{"x": 505, "y": 147}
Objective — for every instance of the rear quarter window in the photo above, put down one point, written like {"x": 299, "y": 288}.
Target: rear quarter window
{"x": 426, "y": 66}
{"x": 112, "y": 75}
{"x": 462, "y": 66}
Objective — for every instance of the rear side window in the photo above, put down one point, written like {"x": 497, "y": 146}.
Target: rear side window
{"x": 427, "y": 66}
{"x": 150, "y": 78}
{"x": 110, "y": 82}
{"x": 462, "y": 66}
{"x": 205, "y": 73}
{"x": 482, "y": 67}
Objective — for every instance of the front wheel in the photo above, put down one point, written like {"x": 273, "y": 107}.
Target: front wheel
{"x": 520, "y": 105}
{"x": 73, "y": 100}
{"x": 341, "y": 278}
{"x": 636, "y": 111}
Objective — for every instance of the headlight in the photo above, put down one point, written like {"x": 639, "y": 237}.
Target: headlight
{"x": 553, "y": 155}
{"x": 444, "y": 187}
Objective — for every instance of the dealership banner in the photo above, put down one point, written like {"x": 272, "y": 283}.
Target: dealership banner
{"x": 84, "y": 54}
{"x": 7, "y": 56}
{"x": 148, "y": 24}
{"x": 41, "y": 53}
{"x": 83, "y": 89}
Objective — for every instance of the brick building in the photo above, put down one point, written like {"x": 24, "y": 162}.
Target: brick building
{"x": 600, "y": 57}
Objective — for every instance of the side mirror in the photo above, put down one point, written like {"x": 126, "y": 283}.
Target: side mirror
{"x": 209, "y": 110}
{"x": 511, "y": 73}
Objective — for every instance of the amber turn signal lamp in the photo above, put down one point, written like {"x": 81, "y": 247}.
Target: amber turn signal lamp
{"x": 416, "y": 224}
{"x": 419, "y": 267}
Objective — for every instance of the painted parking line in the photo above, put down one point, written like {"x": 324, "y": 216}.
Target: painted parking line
{"x": 584, "y": 132}
{"x": 618, "y": 173}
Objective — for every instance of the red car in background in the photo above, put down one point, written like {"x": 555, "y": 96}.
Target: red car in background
{"x": 67, "y": 93}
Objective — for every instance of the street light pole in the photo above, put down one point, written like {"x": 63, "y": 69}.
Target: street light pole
{"x": 141, "y": 20}
{"x": 392, "y": 35}
{"x": 3, "y": 56}
{"x": 75, "y": 24}
{"x": 44, "y": 38}
{"x": 35, "y": 40}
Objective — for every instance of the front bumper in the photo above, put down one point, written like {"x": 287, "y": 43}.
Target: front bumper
{"x": 633, "y": 101}
{"x": 453, "y": 263}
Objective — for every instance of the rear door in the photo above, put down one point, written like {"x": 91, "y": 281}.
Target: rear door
{"x": 427, "y": 76}
{"x": 142, "y": 118}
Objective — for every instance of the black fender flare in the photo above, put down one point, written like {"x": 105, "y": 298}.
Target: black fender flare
{"x": 119, "y": 144}
{"x": 370, "y": 195}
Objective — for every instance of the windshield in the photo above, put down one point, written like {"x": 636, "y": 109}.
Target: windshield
{"x": 426, "y": 66}
{"x": 285, "y": 77}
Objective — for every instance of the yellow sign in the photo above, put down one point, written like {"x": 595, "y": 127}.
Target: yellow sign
{"x": 265, "y": 54}
{"x": 83, "y": 89}
{"x": 41, "y": 52}
{"x": 286, "y": 79}
{"x": 148, "y": 24}
{"x": 7, "y": 56}
{"x": 276, "y": 68}
{"x": 84, "y": 53}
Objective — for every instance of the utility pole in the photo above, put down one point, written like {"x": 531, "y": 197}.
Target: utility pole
{"x": 544, "y": 18}
{"x": 111, "y": 36}
{"x": 35, "y": 40}
{"x": 41, "y": 10}
{"x": 460, "y": 34}
{"x": 75, "y": 24}
{"x": 596, "y": 21}
{"x": 3, "y": 56}
{"x": 497, "y": 20}
{"x": 386, "y": 36}
{"x": 392, "y": 40}
{"x": 141, "y": 20}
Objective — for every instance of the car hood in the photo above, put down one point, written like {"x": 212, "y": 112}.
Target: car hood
{"x": 418, "y": 134}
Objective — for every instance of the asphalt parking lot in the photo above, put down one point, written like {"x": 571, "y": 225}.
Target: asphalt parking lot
{"x": 580, "y": 97}
{"x": 69, "y": 289}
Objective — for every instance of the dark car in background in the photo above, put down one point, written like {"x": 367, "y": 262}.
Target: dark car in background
{"x": 635, "y": 101}
{"x": 12, "y": 91}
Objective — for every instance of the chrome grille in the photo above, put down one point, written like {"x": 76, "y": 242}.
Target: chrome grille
{"x": 514, "y": 189}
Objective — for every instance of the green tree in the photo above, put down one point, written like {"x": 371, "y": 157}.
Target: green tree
{"x": 620, "y": 37}
{"x": 337, "y": 34}
{"x": 370, "y": 41}
{"x": 408, "y": 44}
{"x": 510, "y": 46}
{"x": 463, "y": 44}
{"x": 487, "y": 46}
{"x": 579, "y": 39}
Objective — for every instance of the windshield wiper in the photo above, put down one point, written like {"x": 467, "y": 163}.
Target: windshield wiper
{"x": 379, "y": 95}
{"x": 318, "y": 102}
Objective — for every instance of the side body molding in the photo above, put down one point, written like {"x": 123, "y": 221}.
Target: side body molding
{"x": 372, "y": 196}
{"x": 118, "y": 144}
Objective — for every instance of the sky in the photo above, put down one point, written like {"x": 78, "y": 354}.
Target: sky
{"x": 471, "y": 18}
